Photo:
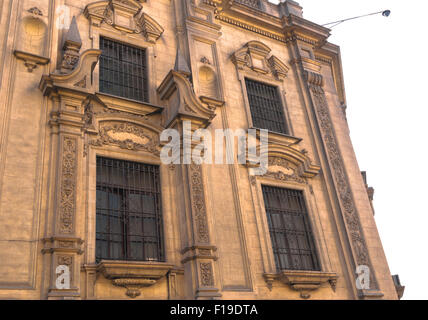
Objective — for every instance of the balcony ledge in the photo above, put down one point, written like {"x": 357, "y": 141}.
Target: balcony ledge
{"x": 303, "y": 281}
{"x": 133, "y": 275}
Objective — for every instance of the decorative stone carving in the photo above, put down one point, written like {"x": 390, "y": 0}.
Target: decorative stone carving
{"x": 133, "y": 286}
{"x": 72, "y": 45}
{"x": 206, "y": 252}
{"x": 31, "y": 61}
{"x": 133, "y": 275}
{"x": 127, "y": 136}
{"x": 125, "y": 16}
{"x": 198, "y": 203}
{"x": 302, "y": 281}
{"x": 280, "y": 169}
{"x": 254, "y": 56}
{"x": 81, "y": 83}
{"x": 286, "y": 162}
{"x": 35, "y": 11}
{"x": 278, "y": 68}
{"x": 351, "y": 217}
{"x": 205, "y": 60}
{"x": 305, "y": 282}
{"x": 67, "y": 199}
{"x": 207, "y": 276}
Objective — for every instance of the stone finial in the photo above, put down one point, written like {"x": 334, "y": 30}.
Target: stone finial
{"x": 72, "y": 45}
{"x": 181, "y": 63}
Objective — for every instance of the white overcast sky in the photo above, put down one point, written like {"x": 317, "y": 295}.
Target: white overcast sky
{"x": 386, "y": 70}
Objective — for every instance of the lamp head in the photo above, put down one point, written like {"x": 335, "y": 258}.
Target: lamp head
{"x": 386, "y": 13}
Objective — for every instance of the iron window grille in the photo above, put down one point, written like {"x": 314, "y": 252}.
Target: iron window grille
{"x": 292, "y": 238}
{"x": 123, "y": 70}
{"x": 266, "y": 108}
{"x": 128, "y": 211}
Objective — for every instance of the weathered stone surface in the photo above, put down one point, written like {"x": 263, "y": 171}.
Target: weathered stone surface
{"x": 216, "y": 235}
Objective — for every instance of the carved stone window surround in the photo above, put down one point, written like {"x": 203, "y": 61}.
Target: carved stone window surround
{"x": 242, "y": 75}
{"x": 90, "y": 190}
{"x": 269, "y": 69}
{"x": 133, "y": 40}
{"x": 314, "y": 220}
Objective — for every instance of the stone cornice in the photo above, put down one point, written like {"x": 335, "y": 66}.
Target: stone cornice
{"x": 284, "y": 29}
{"x": 31, "y": 61}
{"x": 189, "y": 106}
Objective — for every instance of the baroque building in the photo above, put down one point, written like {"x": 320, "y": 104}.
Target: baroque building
{"x": 89, "y": 211}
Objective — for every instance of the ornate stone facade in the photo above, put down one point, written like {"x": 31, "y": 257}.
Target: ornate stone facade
{"x": 55, "y": 122}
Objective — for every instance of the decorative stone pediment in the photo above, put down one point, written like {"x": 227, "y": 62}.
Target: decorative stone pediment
{"x": 124, "y": 15}
{"x": 127, "y": 135}
{"x": 79, "y": 80}
{"x": 255, "y": 56}
{"x": 178, "y": 94}
{"x": 281, "y": 169}
{"x": 287, "y": 162}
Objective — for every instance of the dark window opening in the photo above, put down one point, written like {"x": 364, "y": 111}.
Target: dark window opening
{"x": 292, "y": 238}
{"x": 128, "y": 217}
{"x": 266, "y": 108}
{"x": 123, "y": 70}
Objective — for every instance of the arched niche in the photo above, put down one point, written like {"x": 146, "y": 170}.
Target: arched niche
{"x": 207, "y": 82}
{"x": 33, "y": 35}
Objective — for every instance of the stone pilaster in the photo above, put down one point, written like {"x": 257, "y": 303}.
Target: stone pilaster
{"x": 312, "y": 83}
{"x": 63, "y": 243}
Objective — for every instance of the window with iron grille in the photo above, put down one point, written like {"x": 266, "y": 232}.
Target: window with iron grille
{"x": 266, "y": 108}
{"x": 129, "y": 215}
{"x": 292, "y": 239}
{"x": 123, "y": 70}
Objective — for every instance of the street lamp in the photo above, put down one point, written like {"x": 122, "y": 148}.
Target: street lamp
{"x": 385, "y": 13}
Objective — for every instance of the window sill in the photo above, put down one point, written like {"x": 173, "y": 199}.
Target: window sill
{"x": 281, "y": 138}
{"x": 303, "y": 281}
{"x": 133, "y": 275}
{"x": 128, "y": 105}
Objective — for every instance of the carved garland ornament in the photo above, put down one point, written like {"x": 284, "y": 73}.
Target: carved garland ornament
{"x": 286, "y": 174}
{"x": 198, "y": 203}
{"x": 345, "y": 196}
{"x": 126, "y": 136}
{"x": 68, "y": 185}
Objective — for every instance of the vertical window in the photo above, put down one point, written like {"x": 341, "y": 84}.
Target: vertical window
{"x": 129, "y": 220}
{"x": 123, "y": 70}
{"x": 266, "y": 108}
{"x": 292, "y": 239}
